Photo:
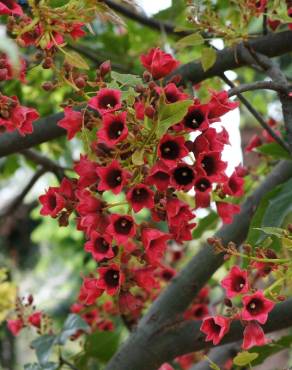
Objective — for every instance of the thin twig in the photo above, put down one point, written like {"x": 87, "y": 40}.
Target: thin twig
{"x": 259, "y": 85}
{"x": 63, "y": 361}
{"x": 256, "y": 114}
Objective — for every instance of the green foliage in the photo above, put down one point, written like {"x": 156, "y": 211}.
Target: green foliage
{"x": 274, "y": 150}
{"x": 244, "y": 358}
{"x": 43, "y": 346}
{"x": 170, "y": 114}
{"x": 273, "y": 209}
{"x": 207, "y": 223}
{"x": 190, "y": 40}
{"x": 72, "y": 324}
{"x": 208, "y": 58}
{"x": 102, "y": 345}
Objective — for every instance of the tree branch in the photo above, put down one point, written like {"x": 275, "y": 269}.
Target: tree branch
{"x": 46, "y": 129}
{"x": 253, "y": 111}
{"x": 168, "y": 307}
{"x": 258, "y": 85}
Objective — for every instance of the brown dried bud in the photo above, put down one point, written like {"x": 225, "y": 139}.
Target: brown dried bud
{"x": 227, "y": 302}
{"x": 289, "y": 228}
{"x": 140, "y": 89}
{"x": 30, "y": 299}
{"x": 176, "y": 79}
{"x": 47, "y": 63}
{"x": 147, "y": 76}
{"x": 281, "y": 298}
{"x": 63, "y": 219}
{"x": 247, "y": 248}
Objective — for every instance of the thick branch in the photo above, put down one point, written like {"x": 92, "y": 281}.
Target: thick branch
{"x": 45, "y": 129}
{"x": 231, "y": 58}
{"x": 258, "y": 85}
{"x": 139, "y": 348}
{"x": 187, "y": 337}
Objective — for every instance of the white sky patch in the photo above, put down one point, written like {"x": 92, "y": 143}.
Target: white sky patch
{"x": 153, "y": 6}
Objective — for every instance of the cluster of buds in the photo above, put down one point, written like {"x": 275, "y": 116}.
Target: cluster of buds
{"x": 27, "y": 316}
{"x": 148, "y": 145}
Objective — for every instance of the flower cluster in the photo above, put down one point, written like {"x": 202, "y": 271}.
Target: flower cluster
{"x": 14, "y": 116}
{"x": 148, "y": 145}
{"x": 255, "y": 310}
{"x": 27, "y": 316}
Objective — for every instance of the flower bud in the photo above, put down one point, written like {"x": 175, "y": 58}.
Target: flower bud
{"x": 80, "y": 82}
{"x": 105, "y": 68}
{"x": 149, "y": 111}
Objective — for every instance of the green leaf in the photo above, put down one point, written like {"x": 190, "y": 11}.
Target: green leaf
{"x": 71, "y": 326}
{"x": 275, "y": 150}
{"x": 208, "y": 58}
{"x": 43, "y": 346}
{"x": 244, "y": 358}
{"x": 270, "y": 349}
{"x": 170, "y": 114}
{"x": 190, "y": 40}
{"x": 276, "y": 231}
{"x": 102, "y": 344}
{"x": 286, "y": 243}
{"x": 273, "y": 209}
{"x": 126, "y": 79}
{"x": 138, "y": 157}
{"x": 207, "y": 223}
{"x": 212, "y": 364}
{"x": 76, "y": 60}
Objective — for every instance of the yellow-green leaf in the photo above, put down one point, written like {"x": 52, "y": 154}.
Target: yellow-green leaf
{"x": 190, "y": 40}
{"x": 208, "y": 58}
{"x": 138, "y": 157}
{"x": 212, "y": 364}
{"x": 287, "y": 243}
{"x": 244, "y": 358}
{"x": 76, "y": 60}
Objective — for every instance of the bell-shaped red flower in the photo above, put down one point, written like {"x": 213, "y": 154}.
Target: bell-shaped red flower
{"x": 154, "y": 242}
{"x": 182, "y": 177}
{"x": 110, "y": 278}
{"x": 256, "y": 307}
{"x": 171, "y": 149}
{"x": 52, "y": 202}
{"x": 158, "y": 63}
{"x": 140, "y": 196}
{"x": 203, "y": 188}
{"x": 106, "y": 101}
{"x": 100, "y": 246}
{"x": 112, "y": 177}
{"x": 72, "y": 122}
{"x": 215, "y": 328}
{"x": 15, "y": 326}
{"x": 253, "y": 335}
{"x": 89, "y": 291}
{"x": 121, "y": 227}
{"x": 10, "y": 7}
{"x": 235, "y": 282}
{"x": 114, "y": 129}
{"x": 159, "y": 176}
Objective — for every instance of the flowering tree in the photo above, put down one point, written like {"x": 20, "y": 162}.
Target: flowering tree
{"x": 151, "y": 194}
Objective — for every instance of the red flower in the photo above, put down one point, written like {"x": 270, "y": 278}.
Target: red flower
{"x": 10, "y": 7}
{"x": 172, "y": 148}
{"x": 234, "y": 185}
{"x": 87, "y": 203}
{"x": 89, "y": 291}
{"x": 196, "y": 118}
{"x": 210, "y": 141}
{"x": 72, "y": 122}
{"x": 203, "y": 187}
{"x": 15, "y": 326}
{"x": 121, "y": 227}
{"x": 106, "y": 101}
{"x": 253, "y": 335}
{"x": 140, "y": 196}
{"x": 16, "y": 117}
{"x": 158, "y": 63}
{"x": 226, "y": 211}
{"x": 52, "y": 202}
{"x": 174, "y": 94}
{"x": 100, "y": 246}
{"x": 256, "y": 307}
{"x": 35, "y": 319}
{"x": 154, "y": 242}
{"x": 197, "y": 312}
{"x": 76, "y": 30}
{"x": 254, "y": 142}
{"x": 86, "y": 169}
{"x": 159, "y": 176}
{"x": 182, "y": 177}
{"x": 110, "y": 278}
{"x": 144, "y": 278}
{"x": 114, "y": 129}
{"x": 112, "y": 177}
{"x": 235, "y": 282}
{"x": 139, "y": 109}
{"x": 210, "y": 164}
{"x": 220, "y": 104}
{"x": 166, "y": 366}
{"x": 215, "y": 328}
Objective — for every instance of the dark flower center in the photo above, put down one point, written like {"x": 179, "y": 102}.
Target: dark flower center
{"x": 169, "y": 150}
{"x": 123, "y": 226}
{"x": 140, "y": 195}
{"x": 238, "y": 283}
{"x": 199, "y": 312}
{"x": 52, "y": 201}
{"x": 194, "y": 119}
{"x": 255, "y": 306}
{"x": 167, "y": 275}
{"x": 215, "y": 328}
{"x": 101, "y": 245}
{"x": 115, "y": 129}
{"x": 209, "y": 165}
{"x": 114, "y": 178}
{"x": 172, "y": 96}
{"x": 183, "y": 175}
{"x": 111, "y": 278}
{"x": 107, "y": 101}
{"x": 203, "y": 185}
{"x": 9, "y": 3}
{"x": 161, "y": 176}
